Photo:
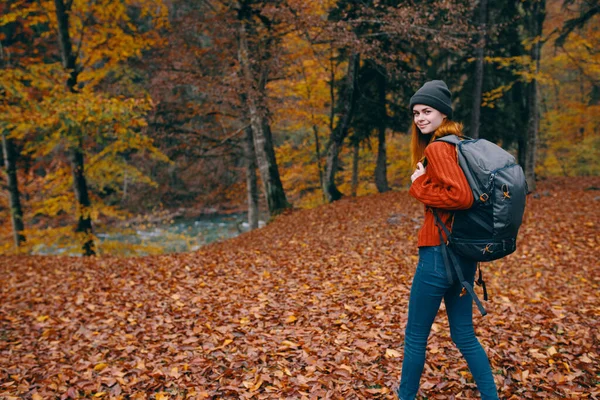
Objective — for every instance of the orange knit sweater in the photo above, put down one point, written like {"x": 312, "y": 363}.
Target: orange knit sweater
{"x": 443, "y": 187}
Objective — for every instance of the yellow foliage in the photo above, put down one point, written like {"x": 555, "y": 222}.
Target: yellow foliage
{"x": 51, "y": 121}
{"x": 570, "y": 127}
{"x": 569, "y": 135}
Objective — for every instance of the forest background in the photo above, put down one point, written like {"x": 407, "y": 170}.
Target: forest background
{"x": 114, "y": 114}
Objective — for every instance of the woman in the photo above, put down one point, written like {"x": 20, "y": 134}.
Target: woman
{"x": 443, "y": 186}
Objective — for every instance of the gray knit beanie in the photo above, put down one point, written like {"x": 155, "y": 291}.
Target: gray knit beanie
{"x": 434, "y": 94}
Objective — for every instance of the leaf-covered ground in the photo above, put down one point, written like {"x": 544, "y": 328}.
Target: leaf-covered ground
{"x": 312, "y": 306}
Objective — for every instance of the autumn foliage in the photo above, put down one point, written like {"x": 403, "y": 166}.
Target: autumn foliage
{"x": 311, "y": 306}
{"x": 112, "y": 109}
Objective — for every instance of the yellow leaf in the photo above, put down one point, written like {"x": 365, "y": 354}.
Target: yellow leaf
{"x": 42, "y": 318}
{"x": 36, "y": 396}
{"x": 162, "y": 396}
{"x": 99, "y": 367}
{"x": 257, "y": 385}
{"x": 291, "y": 318}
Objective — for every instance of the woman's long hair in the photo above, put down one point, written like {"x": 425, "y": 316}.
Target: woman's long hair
{"x": 419, "y": 141}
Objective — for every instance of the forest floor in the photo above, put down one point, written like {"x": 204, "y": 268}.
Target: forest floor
{"x": 311, "y": 306}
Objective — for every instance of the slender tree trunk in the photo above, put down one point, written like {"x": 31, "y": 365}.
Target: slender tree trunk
{"x": 318, "y": 155}
{"x": 381, "y": 167}
{"x": 16, "y": 212}
{"x": 332, "y": 98}
{"x": 84, "y": 223}
{"x": 519, "y": 97}
{"x": 314, "y": 127}
{"x": 355, "y": 155}
{"x": 251, "y": 179}
{"x": 69, "y": 60}
{"x": 124, "y": 196}
{"x": 332, "y": 103}
{"x": 538, "y": 14}
{"x": 478, "y": 87}
{"x": 522, "y": 151}
{"x": 263, "y": 141}
{"x": 594, "y": 95}
{"x": 582, "y": 116}
{"x": 532, "y": 133}
{"x": 340, "y": 131}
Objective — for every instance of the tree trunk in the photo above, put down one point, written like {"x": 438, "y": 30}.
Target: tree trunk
{"x": 69, "y": 59}
{"x": 478, "y": 87}
{"x": 519, "y": 99}
{"x": 538, "y": 14}
{"x": 355, "y": 154}
{"x": 16, "y": 213}
{"x": 315, "y": 129}
{"x": 532, "y": 132}
{"x": 124, "y": 196}
{"x": 318, "y": 155}
{"x": 340, "y": 131}
{"x": 251, "y": 180}
{"x": 381, "y": 167}
{"x": 84, "y": 223}
{"x": 263, "y": 141}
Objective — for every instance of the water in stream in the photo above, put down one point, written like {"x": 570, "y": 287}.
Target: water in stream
{"x": 180, "y": 236}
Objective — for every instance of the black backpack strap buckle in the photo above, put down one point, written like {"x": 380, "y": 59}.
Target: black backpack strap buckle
{"x": 481, "y": 282}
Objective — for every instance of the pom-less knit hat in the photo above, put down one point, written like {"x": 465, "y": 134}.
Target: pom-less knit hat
{"x": 434, "y": 94}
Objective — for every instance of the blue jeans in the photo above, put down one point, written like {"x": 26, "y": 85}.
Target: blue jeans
{"x": 430, "y": 285}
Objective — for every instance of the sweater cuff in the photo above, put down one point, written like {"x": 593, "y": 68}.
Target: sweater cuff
{"x": 416, "y": 185}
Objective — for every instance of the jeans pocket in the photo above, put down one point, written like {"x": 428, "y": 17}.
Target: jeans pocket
{"x": 426, "y": 259}
{"x": 431, "y": 262}
{"x": 439, "y": 267}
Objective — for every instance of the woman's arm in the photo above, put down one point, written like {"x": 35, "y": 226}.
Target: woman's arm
{"x": 444, "y": 184}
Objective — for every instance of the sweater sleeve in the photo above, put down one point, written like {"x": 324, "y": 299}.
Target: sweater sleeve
{"x": 444, "y": 184}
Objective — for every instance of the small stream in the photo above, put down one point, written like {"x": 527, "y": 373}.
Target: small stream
{"x": 180, "y": 236}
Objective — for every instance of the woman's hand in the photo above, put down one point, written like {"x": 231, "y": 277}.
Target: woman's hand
{"x": 418, "y": 172}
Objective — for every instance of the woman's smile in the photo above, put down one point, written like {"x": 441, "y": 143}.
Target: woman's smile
{"x": 426, "y": 118}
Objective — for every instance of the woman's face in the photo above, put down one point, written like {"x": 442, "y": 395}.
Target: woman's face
{"x": 427, "y": 118}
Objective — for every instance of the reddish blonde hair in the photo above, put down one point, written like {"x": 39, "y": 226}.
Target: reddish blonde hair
{"x": 419, "y": 141}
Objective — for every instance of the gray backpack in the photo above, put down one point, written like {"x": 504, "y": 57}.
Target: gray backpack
{"x": 488, "y": 230}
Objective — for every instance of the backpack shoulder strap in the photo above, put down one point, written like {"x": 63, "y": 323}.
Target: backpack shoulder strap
{"x": 453, "y": 139}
